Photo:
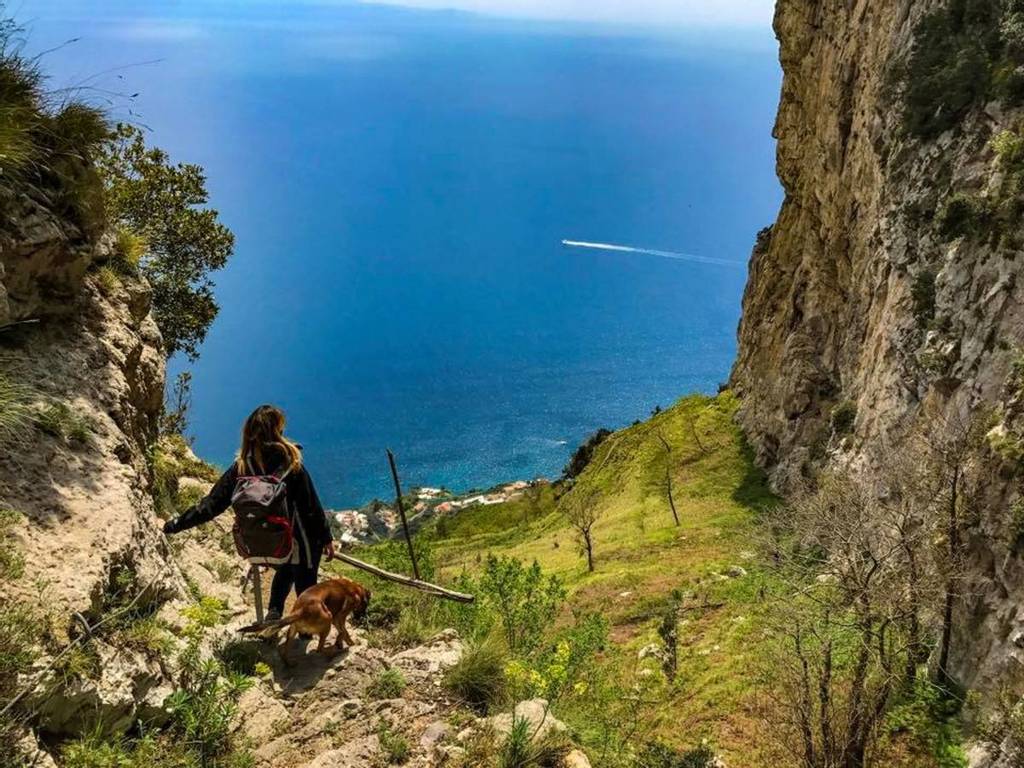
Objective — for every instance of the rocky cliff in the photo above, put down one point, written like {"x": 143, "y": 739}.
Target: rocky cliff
{"x": 870, "y": 306}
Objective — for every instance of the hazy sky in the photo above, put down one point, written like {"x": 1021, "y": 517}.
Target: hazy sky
{"x": 682, "y": 12}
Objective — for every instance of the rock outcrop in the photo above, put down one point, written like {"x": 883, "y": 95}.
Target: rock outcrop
{"x": 861, "y": 316}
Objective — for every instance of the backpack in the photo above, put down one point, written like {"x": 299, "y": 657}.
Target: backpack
{"x": 263, "y": 529}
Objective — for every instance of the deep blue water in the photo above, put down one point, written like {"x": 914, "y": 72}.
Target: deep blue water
{"x": 399, "y": 183}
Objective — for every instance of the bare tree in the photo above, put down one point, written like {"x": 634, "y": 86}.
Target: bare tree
{"x": 583, "y": 509}
{"x": 843, "y": 625}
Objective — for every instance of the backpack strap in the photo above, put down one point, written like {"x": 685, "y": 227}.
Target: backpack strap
{"x": 252, "y": 468}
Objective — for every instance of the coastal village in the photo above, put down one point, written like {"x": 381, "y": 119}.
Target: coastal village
{"x": 379, "y": 520}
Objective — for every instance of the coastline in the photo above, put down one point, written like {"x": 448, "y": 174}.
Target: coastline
{"x": 378, "y": 520}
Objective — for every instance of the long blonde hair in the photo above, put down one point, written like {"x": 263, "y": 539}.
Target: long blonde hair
{"x": 264, "y": 429}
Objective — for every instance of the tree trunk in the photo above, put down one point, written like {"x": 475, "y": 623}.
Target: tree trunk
{"x": 671, "y": 498}
{"x": 953, "y": 536}
{"x": 590, "y": 551}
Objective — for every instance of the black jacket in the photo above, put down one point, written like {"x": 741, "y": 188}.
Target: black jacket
{"x": 301, "y": 497}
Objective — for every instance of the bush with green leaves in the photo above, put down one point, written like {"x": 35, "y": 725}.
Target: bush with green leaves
{"x": 927, "y": 716}
{"x": 393, "y": 555}
{"x": 163, "y": 205}
{"x": 956, "y": 53}
{"x": 204, "y": 704}
{"x": 522, "y": 597}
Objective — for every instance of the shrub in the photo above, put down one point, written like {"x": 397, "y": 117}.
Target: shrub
{"x": 927, "y": 717}
{"x": 843, "y": 417}
{"x": 240, "y": 657}
{"x": 922, "y": 294}
{"x": 1009, "y": 148}
{"x": 950, "y": 66}
{"x": 394, "y": 745}
{"x": 582, "y": 456}
{"x": 148, "y": 635}
{"x": 389, "y": 684}
{"x": 524, "y": 600}
{"x": 129, "y": 248}
{"x": 384, "y": 611}
{"x": 99, "y": 750}
{"x": 658, "y": 755}
{"x": 478, "y": 677}
{"x": 12, "y": 564}
{"x": 205, "y": 613}
{"x": 108, "y": 279}
{"x": 962, "y": 215}
{"x": 393, "y": 555}
{"x": 59, "y": 420}
{"x": 81, "y": 662}
{"x": 204, "y": 705}
{"x": 558, "y": 670}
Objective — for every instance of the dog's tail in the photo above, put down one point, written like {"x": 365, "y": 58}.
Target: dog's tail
{"x": 269, "y": 628}
{"x": 360, "y": 613}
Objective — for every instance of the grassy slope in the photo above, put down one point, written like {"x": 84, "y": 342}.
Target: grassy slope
{"x": 641, "y": 556}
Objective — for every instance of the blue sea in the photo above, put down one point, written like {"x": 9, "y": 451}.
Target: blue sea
{"x": 400, "y": 182}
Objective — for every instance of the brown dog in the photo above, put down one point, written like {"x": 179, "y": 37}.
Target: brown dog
{"x": 317, "y": 609}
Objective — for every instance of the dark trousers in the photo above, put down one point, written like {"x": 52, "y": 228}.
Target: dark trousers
{"x": 300, "y": 575}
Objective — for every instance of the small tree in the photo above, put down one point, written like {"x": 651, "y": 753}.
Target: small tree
{"x": 668, "y": 631}
{"x": 179, "y": 400}
{"x": 950, "y": 451}
{"x": 165, "y": 204}
{"x": 667, "y": 480}
{"x": 582, "y": 510}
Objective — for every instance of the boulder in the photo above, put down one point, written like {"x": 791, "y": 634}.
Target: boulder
{"x": 536, "y": 712}
{"x": 439, "y": 653}
{"x": 575, "y": 759}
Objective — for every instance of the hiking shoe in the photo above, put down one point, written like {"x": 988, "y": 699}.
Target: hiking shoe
{"x": 273, "y": 615}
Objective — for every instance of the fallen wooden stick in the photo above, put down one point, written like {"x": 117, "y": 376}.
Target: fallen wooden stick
{"x": 448, "y": 594}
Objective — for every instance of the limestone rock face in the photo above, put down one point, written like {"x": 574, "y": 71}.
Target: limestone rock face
{"x": 84, "y": 498}
{"x": 43, "y": 260}
{"x": 829, "y": 311}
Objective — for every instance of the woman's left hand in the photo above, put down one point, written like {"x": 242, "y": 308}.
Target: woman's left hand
{"x": 329, "y": 549}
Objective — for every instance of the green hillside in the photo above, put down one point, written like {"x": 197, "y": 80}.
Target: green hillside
{"x": 641, "y": 559}
{"x": 641, "y": 556}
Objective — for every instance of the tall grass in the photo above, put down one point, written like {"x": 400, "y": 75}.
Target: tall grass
{"x": 46, "y": 140}
{"x": 16, "y": 415}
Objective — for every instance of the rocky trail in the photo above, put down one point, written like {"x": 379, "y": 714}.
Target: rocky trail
{"x": 322, "y": 710}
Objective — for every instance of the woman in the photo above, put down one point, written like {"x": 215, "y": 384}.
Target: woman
{"x": 266, "y": 451}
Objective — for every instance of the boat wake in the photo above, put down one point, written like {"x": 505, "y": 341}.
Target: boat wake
{"x": 652, "y": 252}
